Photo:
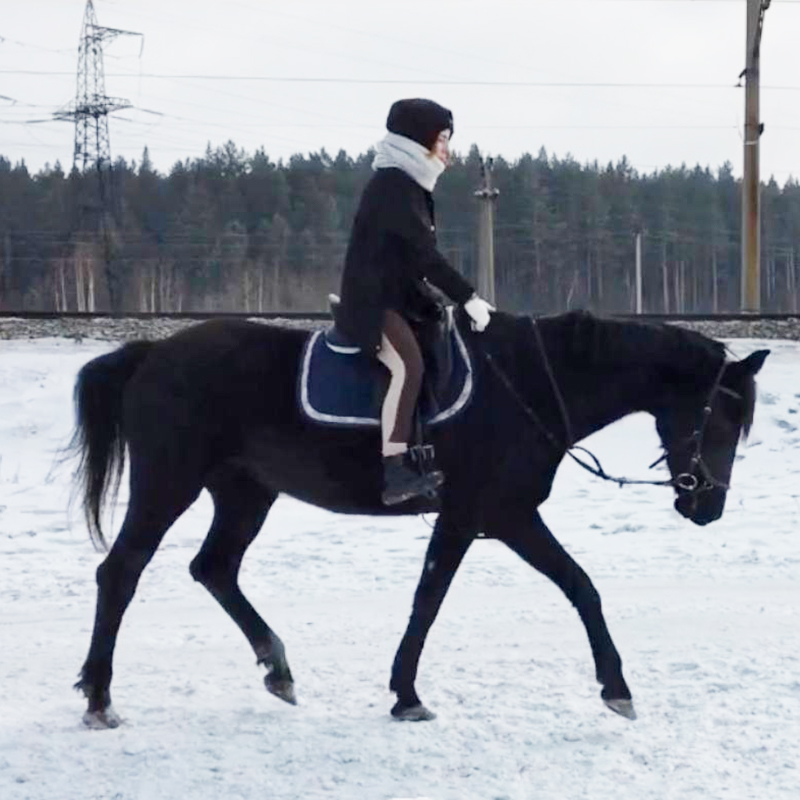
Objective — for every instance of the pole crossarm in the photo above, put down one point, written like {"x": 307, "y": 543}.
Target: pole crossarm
{"x": 95, "y": 108}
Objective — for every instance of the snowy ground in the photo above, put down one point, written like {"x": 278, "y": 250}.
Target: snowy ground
{"x": 706, "y": 621}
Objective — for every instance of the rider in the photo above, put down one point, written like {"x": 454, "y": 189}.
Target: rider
{"x": 391, "y": 254}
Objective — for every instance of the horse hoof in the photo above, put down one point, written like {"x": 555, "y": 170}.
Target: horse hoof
{"x": 102, "y": 720}
{"x": 622, "y": 707}
{"x": 281, "y": 688}
{"x": 417, "y": 713}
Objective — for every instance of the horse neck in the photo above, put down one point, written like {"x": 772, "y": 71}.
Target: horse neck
{"x": 596, "y": 398}
{"x": 604, "y": 370}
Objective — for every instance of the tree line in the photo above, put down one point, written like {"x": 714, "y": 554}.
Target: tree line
{"x": 237, "y": 232}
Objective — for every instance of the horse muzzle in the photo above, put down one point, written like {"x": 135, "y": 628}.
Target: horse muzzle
{"x": 701, "y": 507}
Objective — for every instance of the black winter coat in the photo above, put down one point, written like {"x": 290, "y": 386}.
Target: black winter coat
{"x": 392, "y": 250}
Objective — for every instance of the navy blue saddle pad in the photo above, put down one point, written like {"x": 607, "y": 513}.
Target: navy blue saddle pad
{"x": 341, "y": 386}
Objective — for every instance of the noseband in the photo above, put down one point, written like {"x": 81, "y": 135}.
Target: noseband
{"x": 686, "y": 482}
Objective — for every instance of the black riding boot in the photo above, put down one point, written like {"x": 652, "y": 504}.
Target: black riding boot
{"x": 402, "y": 479}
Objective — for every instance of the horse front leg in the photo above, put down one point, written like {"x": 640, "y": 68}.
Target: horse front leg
{"x": 534, "y": 543}
{"x": 446, "y": 550}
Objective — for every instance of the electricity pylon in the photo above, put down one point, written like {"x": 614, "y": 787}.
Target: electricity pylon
{"x": 92, "y": 151}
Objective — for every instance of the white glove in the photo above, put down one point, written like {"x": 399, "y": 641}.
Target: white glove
{"x": 478, "y": 309}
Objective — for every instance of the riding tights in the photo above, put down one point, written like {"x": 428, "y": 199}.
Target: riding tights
{"x": 401, "y": 354}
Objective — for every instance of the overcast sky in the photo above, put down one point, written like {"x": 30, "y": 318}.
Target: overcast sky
{"x": 442, "y": 49}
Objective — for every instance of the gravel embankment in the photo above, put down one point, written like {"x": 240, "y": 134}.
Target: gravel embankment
{"x": 115, "y": 329}
{"x": 125, "y": 329}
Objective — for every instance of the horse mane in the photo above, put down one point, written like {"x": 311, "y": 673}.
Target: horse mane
{"x": 689, "y": 355}
{"x": 600, "y": 341}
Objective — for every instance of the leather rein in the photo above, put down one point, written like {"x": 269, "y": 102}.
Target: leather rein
{"x": 686, "y": 481}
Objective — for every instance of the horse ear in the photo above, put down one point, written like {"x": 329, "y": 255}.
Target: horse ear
{"x": 753, "y": 363}
{"x": 747, "y": 367}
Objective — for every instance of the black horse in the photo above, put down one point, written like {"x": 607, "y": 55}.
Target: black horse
{"x": 215, "y": 406}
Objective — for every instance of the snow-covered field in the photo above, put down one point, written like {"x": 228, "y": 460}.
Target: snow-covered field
{"x": 706, "y": 620}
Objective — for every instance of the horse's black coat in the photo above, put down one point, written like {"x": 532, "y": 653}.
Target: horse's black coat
{"x": 215, "y": 406}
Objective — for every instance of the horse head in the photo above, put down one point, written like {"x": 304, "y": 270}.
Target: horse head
{"x": 700, "y": 428}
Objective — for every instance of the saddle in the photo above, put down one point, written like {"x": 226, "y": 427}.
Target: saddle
{"x": 340, "y": 385}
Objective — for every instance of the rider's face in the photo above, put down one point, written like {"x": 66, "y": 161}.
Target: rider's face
{"x": 441, "y": 148}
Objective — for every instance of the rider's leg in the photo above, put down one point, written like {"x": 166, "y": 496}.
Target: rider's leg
{"x": 401, "y": 355}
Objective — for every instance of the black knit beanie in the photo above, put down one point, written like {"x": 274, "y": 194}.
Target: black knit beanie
{"x": 420, "y": 120}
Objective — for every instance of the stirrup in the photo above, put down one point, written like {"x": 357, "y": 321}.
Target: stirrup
{"x": 423, "y": 456}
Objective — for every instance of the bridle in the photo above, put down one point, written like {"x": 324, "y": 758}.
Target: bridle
{"x": 686, "y": 482}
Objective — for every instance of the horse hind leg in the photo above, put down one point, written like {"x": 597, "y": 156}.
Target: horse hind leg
{"x": 151, "y": 511}
{"x": 241, "y": 505}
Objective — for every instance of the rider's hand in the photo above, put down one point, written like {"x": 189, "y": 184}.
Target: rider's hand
{"x": 478, "y": 309}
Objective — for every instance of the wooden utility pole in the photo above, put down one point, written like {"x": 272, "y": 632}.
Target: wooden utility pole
{"x": 487, "y": 194}
{"x": 751, "y": 182}
{"x": 639, "y": 272}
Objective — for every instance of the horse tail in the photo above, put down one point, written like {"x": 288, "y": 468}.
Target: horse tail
{"x": 99, "y": 440}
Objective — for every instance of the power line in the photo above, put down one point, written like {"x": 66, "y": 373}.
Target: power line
{"x": 371, "y": 35}
{"x": 61, "y": 51}
{"x": 407, "y": 81}
{"x": 318, "y": 126}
